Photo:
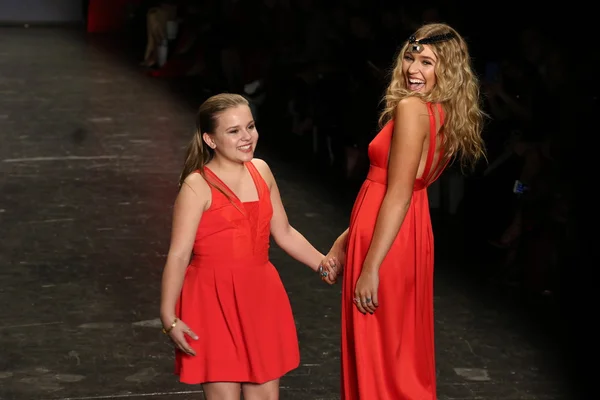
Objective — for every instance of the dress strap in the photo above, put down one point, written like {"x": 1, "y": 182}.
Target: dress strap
{"x": 440, "y": 170}
{"x": 259, "y": 181}
{"x": 431, "y": 149}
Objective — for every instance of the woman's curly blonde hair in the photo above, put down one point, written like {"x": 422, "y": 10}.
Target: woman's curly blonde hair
{"x": 457, "y": 89}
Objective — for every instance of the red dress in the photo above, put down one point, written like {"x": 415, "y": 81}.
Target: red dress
{"x": 390, "y": 355}
{"x": 232, "y": 296}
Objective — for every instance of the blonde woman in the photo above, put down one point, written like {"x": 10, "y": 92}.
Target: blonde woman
{"x": 432, "y": 116}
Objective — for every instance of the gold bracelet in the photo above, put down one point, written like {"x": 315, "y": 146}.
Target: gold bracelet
{"x": 169, "y": 329}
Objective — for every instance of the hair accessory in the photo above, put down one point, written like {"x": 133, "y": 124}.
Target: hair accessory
{"x": 416, "y": 46}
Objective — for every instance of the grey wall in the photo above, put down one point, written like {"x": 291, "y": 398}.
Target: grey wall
{"x": 41, "y": 11}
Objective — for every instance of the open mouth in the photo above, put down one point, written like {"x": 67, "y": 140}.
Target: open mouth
{"x": 246, "y": 148}
{"x": 415, "y": 85}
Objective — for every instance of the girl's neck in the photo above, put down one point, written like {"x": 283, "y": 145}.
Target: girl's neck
{"x": 225, "y": 166}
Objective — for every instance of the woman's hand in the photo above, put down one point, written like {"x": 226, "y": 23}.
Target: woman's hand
{"x": 365, "y": 292}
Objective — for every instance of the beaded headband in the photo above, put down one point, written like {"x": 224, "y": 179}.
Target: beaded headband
{"x": 416, "y": 46}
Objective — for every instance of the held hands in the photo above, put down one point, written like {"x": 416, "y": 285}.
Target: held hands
{"x": 365, "y": 292}
{"x": 329, "y": 269}
{"x": 177, "y": 331}
{"x": 333, "y": 264}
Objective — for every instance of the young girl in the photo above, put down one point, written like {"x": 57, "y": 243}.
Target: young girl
{"x": 223, "y": 303}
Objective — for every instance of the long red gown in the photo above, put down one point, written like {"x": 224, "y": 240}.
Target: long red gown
{"x": 390, "y": 355}
{"x": 233, "y": 297}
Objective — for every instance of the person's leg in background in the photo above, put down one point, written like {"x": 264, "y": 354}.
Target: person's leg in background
{"x": 156, "y": 28}
{"x": 156, "y": 32}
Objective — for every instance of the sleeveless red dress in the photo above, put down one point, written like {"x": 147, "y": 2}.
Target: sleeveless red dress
{"x": 232, "y": 296}
{"x": 390, "y": 355}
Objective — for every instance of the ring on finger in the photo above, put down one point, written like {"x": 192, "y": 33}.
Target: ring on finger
{"x": 367, "y": 300}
